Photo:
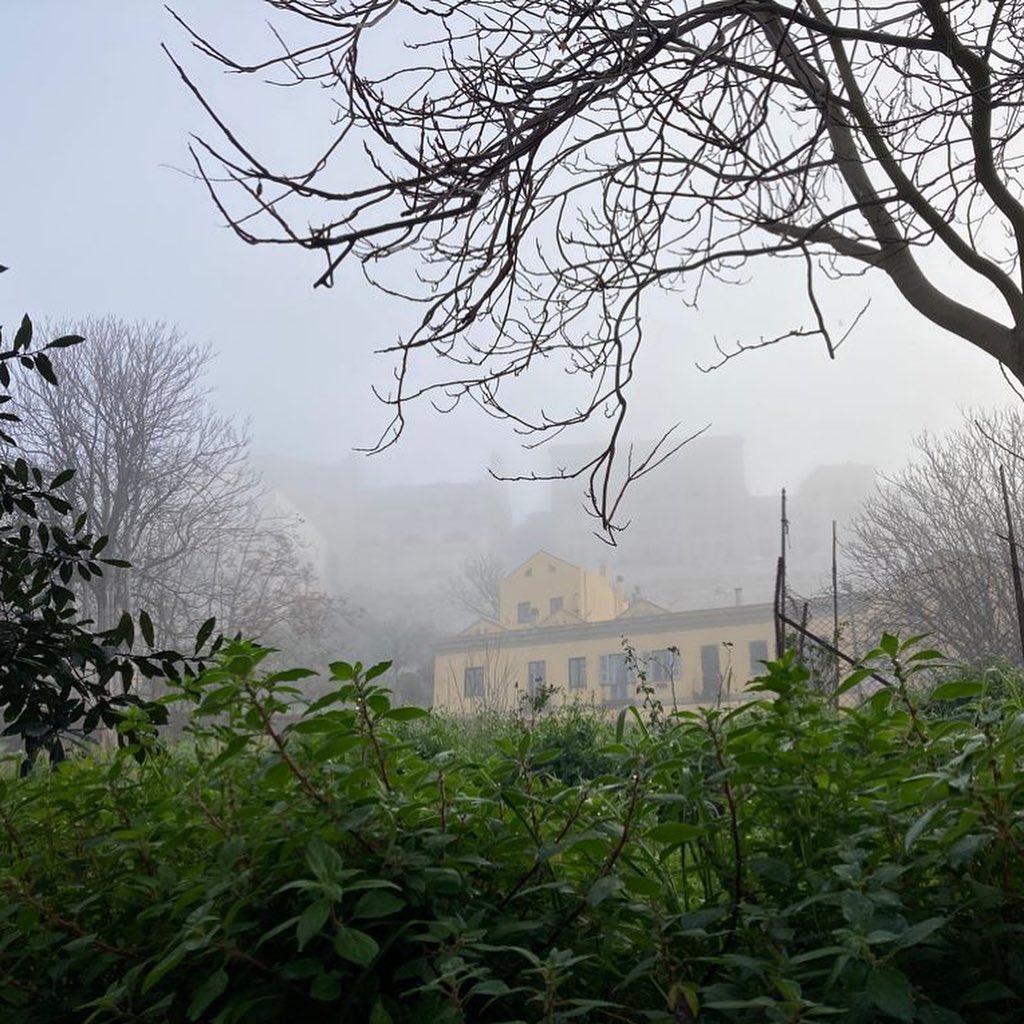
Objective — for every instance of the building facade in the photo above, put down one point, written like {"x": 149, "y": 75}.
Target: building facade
{"x": 573, "y": 630}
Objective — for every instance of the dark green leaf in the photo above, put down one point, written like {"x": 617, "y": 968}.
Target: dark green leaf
{"x": 966, "y": 848}
{"x": 355, "y": 946}
{"x": 958, "y": 690}
{"x": 917, "y": 933}
{"x": 234, "y": 746}
{"x": 927, "y": 655}
{"x": 125, "y": 630}
{"x": 675, "y": 832}
{"x": 490, "y": 987}
{"x": 23, "y": 337}
{"x": 990, "y": 991}
{"x": 378, "y": 903}
{"x": 376, "y": 670}
{"x": 304, "y": 967}
{"x": 289, "y": 675}
{"x": 602, "y": 889}
{"x": 204, "y": 633}
{"x": 146, "y": 627}
{"x": 324, "y": 861}
{"x": 853, "y": 679}
{"x": 311, "y": 922}
{"x": 915, "y": 830}
{"x": 406, "y": 714}
{"x": 379, "y": 1015}
{"x": 889, "y": 644}
{"x": 65, "y": 340}
{"x": 891, "y": 992}
{"x": 45, "y": 368}
{"x": 212, "y": 988}
{"x": 325, "y": 988}
{"x": 167, "y": 964}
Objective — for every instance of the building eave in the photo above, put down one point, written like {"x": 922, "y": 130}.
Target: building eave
{"x": 680, "y": 622}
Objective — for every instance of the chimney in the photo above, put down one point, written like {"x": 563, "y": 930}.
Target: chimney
{"x": 738, "y": 595}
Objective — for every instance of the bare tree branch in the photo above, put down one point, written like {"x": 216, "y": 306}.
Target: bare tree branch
{"x": 929, "y": 547}
{"x": 477, "y": 589}
{"x": 168, "y": 480}
{"x": 545, "y": 167}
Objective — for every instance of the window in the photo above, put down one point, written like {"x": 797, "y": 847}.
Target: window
{"x": 537, "y": 676}
{"x": 555, "y": 605}
{"x": 577, "y": 673}
{"x": 758, "y": 653}
{"x": 473, "y": 682}
{"x": 710, "y": 671}
{"x": 616, "y": 676}
{"x": 529, "y": 571}
{"x": 662, "y": 666}
{"x": 524, "y": 612}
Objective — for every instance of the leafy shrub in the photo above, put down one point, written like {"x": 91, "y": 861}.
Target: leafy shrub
{"x": 784, "y": 861}
{"x": 577, "y": 731}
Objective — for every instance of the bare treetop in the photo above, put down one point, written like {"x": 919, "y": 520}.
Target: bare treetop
{"x": 549, "y": 164}
{"x": 930, "y": 548}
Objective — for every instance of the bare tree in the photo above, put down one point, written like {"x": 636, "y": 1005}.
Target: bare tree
{"x": 477, "y": 589}
{"x": 930, "y": 547}
{"x": 544, "y": 166}
{"x": 404, "y": 641}
{"x": 167, "y": 479}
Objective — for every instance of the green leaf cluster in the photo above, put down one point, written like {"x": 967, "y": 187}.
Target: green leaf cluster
{"x": 346, "y": 859}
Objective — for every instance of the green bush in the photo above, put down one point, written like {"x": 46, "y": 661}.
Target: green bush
{"x": 576, "y": 730}
{"x": 785, "y": 861}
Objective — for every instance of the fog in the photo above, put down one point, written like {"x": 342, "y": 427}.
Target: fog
{"x": 100, "y": 218}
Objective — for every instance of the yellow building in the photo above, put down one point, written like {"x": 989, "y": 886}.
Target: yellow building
{"x": 564, "y": 627}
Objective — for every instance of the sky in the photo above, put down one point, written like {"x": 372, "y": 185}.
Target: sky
{"x": 98, "y": 218}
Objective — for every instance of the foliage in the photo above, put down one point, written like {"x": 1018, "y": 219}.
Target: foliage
{"x": 576, "y": 730}
{"x": 56, "y": 673}
{"x": 784, "y": 861}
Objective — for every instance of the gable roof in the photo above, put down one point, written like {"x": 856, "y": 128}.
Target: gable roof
{"x": 537, "y": 555}
{"x": 483, "y": 625}
{"x": 642, "y": 607}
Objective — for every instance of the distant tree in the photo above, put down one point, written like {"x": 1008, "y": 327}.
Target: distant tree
{"x": 313, "y": 629}
{"x": 532, "y": 171}
{"x": 166, "y": 479}
{"x": 58, "y": 674}
{"x": 929, "y": 549}
{"x": 406, "y": 642}
{"x": 477, "y": 589}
